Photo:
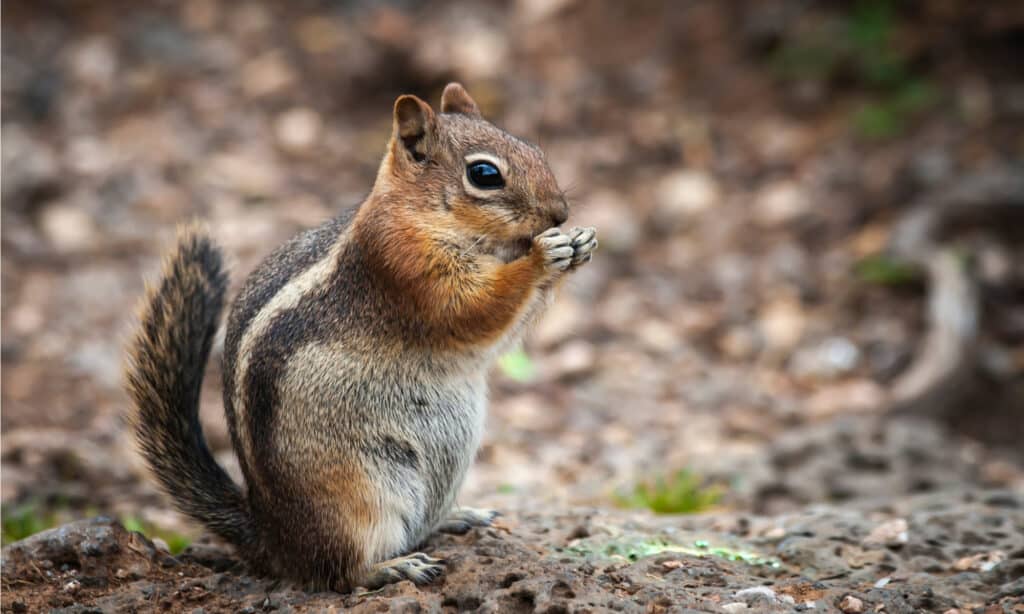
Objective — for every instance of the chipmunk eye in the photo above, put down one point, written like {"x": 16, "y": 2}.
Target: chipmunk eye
{"x": 485, "y": 176}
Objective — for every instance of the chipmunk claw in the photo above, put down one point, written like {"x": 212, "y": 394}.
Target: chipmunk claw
{"x": 417, "y": 567}
{"x": 463, "y": 519}
{"x": 584, "y": 242}
{"x": 556, "y": 247}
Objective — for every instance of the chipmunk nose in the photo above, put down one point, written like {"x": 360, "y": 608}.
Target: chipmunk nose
{"x": 560, "y": 212}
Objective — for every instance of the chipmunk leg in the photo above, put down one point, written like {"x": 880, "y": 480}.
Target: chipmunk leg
{"x": 462, "y": 519}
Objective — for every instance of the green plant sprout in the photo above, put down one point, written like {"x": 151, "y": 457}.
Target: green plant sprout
{"x": 176, "y": 542}
{"x": 516, "y": 365}
{"x": 680, "y": 493}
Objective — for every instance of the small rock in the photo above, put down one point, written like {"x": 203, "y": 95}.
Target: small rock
{"x": 266, "y": 74}
{"x": 95, "y": 546}
{"x": 780, "y": 202}
{"x": 683, "y": 195}
{"x": 539, "y": 10}
{"x": 575, "y": 358}
{"x": 883, "y": 582}
{"x": 657, "y": 336}
{"x": 833, "y": 357}
{"x": 560, "y": 322}
{"x": 609, "y": 212}
{"x": 775, "y": 533}
{"x": 251, "y": 173}
{"x": 857, "y": 395}
{"x": 782, "y": 324}
{"x": 738, "y": 343}
{"x": 67, "y": 227}
{"x": 72, "y": 586}
{"x": 736, "y": 606}
{"x": 298, "y": 129}
{"x": 672, "y": 564}
{"x": 88, "y": 156}
{"x": 94, "y": 63}
{"x": 891, "y": 533}
{"x": 851, "y": 605}
{"x": 980, "y": 562}
{"x": 319, "y": 34}
{"x": 161, "y": 545}
{"x": 755, "y": 591}
{"x": 479, "y": 52}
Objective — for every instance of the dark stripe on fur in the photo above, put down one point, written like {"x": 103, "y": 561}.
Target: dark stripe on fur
{"x": 280, "y": 267}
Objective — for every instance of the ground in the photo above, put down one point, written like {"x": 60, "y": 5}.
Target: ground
{"x": 908, "y": 557}
{"x": 756, "y": 317}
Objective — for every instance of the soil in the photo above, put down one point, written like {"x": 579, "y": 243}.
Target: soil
{"x": 931, "y": 554}
{"x": 744, "y": 319}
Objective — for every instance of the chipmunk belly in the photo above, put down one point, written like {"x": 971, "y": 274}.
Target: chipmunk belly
{"x": 413, "y": 428}
{"x": 449, "y": 428}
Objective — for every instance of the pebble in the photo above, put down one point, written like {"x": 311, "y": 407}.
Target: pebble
{"x": 72, "y": 586}
{"x": 479, "y": 53}
{"x": 851, "y": 605}
{"x": 608, "y": 211}
{"x": 248, "y": 172}
{"x": 657, "y": 336}
{"x": 780, "y": 202}
{"x": 683, "y": 195}
{"x": 319, "y": 34}
{"x": 266, "y": 74}
{"x": 94, "y": 63}
{"x": 891, "y": 533}
{"x": 560, "y": 322}
{"x": 782, "y": 323}
{"x": 68, "y": 227}
{"x": 738, "y": 343}
{"x": 755, "y": 590}
{"x": 574, "y": 358}
{"x": 833, "y": 357}
{"x": 298, "y": 129}
{"x": 980, "y": 562}
{"x": 88, "y": 156}
{"x": 736, "y": 606}
{"x": 855, "y": 395}
{"x": 161, "y": 545}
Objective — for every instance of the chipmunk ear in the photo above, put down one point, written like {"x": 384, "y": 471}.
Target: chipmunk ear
{"x": 456, "y": 99}
{"x": 415, "y": 127}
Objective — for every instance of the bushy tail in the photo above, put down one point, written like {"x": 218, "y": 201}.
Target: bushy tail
{"x": 166, "y": 359}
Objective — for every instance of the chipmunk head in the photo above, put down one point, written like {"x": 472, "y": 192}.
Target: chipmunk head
{"x": 493, "y": 188}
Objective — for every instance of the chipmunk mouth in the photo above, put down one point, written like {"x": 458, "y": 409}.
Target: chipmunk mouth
{"x": 514, "y": 249}
{"x": 510, "y": 250}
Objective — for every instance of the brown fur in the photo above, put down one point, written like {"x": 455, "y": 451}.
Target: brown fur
{"x": 355, "y": 355}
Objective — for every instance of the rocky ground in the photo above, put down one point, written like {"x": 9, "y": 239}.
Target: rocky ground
{"x": 810, "y": 290}
{"x": 923, "y": 554}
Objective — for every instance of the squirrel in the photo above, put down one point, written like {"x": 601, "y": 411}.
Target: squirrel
{"x": 355, "y": 356}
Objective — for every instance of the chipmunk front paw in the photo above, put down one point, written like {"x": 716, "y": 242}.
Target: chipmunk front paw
{"x": 557, "y": 249}
{"x": 584, "y": 242}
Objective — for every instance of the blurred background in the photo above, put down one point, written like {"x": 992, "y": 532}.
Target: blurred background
{"x": 810, "y": 286}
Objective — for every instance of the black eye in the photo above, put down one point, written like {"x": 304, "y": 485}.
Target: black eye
{"x": 485, "y": 176}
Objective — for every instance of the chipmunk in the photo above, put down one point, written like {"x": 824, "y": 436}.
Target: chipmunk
{"x": 356, "y": 354}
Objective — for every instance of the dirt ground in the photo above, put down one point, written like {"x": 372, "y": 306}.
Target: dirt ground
{"x": 754, "y": 316}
